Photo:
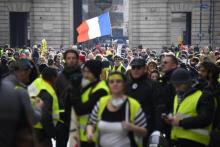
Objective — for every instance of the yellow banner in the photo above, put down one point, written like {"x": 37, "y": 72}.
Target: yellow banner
{"x": 44, "y": 48}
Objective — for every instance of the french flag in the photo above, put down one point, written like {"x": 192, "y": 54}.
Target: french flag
{"x": 95, "y": 27}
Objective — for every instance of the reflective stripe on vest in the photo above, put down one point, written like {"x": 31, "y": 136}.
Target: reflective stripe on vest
{"x": 134, "y": 107}
{"x": 85, "y": 97}
{"x": 177, "y": 54}
{"x": 1, "y": 52}
{"x": 35, "y": 88}
{"x": 119, "y": 69}
{"x": 219, "y": 78}
{"x": 186, "y": 109}
{"x": 106, "y": 71}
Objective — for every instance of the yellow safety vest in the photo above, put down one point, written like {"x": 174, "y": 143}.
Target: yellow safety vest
{"x": 11, "y": 59}
{"x": 134, "y": 107}
{"x": 219, "y": 78}
{"x": 119, "y": 69}
{"x": 1, "y": 52}
{"x": 177, "y": 54}
{"x": 106, "y": 72}
{"x": 186, "y": 109}
{"x": 35, "y": 88}
{"x": 85, "y": 97}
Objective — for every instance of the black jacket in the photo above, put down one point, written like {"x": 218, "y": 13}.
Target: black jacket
{"x": 68, "y": 91}
{"x": 14, "y": 115}
{"x": 22, "y": 90}
{"x": 35, "y": 56}
{"x": 144, "y": 91}
{"x": 214, "y": 89}
{"x": 205, "y": 110}
{"x": 47, "y": 117}
{"x": 164, "y": 101}
{"x": 4, "y": 70}
{"x": 216, "y": 94}
{"x": 86, "y": 108}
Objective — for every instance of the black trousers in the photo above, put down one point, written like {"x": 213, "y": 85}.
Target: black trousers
{"x": 187, "y": 143}
{"x": 62, "y": 135}
{"x": 86, "y": 144}
{"x": 42, "y": 140}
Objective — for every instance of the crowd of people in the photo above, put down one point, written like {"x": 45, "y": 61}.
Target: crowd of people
{"x": 119, "y": 100}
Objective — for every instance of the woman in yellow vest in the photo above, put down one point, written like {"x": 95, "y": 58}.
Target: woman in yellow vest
{"x": 193, "y": 112}
{"x": 118, "y": 119}
{"x": 42, "y": 88}
{"x": 92, "y": 90}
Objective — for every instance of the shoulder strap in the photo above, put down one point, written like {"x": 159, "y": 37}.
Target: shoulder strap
{"x": 134, "y": 108}
{"x": 127, "y": 112}
{"x": 102, "y": 105}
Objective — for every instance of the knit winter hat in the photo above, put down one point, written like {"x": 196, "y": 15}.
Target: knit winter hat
{"x": 95, "y": 67}
{"x": 181, "y": 76}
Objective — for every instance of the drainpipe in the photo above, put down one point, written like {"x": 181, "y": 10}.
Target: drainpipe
{"x": 210, "y": 23}
{"x": 200, "y": 23}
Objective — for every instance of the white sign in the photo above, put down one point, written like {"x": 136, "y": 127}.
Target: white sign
{"x": 119, "y": 50}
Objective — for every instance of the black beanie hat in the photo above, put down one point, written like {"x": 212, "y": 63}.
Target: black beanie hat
{"x": 95, "y": 67}
{"x": 181, "y": 76}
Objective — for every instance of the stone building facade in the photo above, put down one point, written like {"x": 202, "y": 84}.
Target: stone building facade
{"x": 118, "y": 12}
{"x": 157, "y": 23}
{"x": 27, "y": 22}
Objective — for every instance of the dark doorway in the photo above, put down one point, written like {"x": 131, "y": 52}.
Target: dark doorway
{"x": 181, "y": 27}
{"x": 19, "y": 29}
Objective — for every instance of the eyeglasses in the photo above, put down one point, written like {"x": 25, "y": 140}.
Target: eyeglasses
{"x": 136, "y": 67}
{"x": 114, "y": 81}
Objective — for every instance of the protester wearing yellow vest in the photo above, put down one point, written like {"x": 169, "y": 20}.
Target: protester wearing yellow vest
{"x": 193, "y": 112}
{"x": 42, "y": 88}
{"x": 118, "y": 119}
{"x": 92, "y": 90}
{"x": 106, "y": 69}
{"x": 118, "y": 65}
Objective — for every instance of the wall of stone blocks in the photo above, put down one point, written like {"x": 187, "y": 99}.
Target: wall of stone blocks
{"x": 50, "y": 19}
{"x": 150, "y": 21}
{"x": 217, "y": 24}
{"x": 4, "y": 23}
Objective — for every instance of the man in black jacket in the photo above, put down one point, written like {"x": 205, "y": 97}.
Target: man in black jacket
{"x": 166, "y": 93}
{"x": 208, "y": 81}
{"x": 143, "y": 90}
{"x": 193, "y": 112}
{"x": 68, "y": 90}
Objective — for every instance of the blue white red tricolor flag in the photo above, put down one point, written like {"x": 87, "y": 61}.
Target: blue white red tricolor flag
{"x": 95, "y": 27}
